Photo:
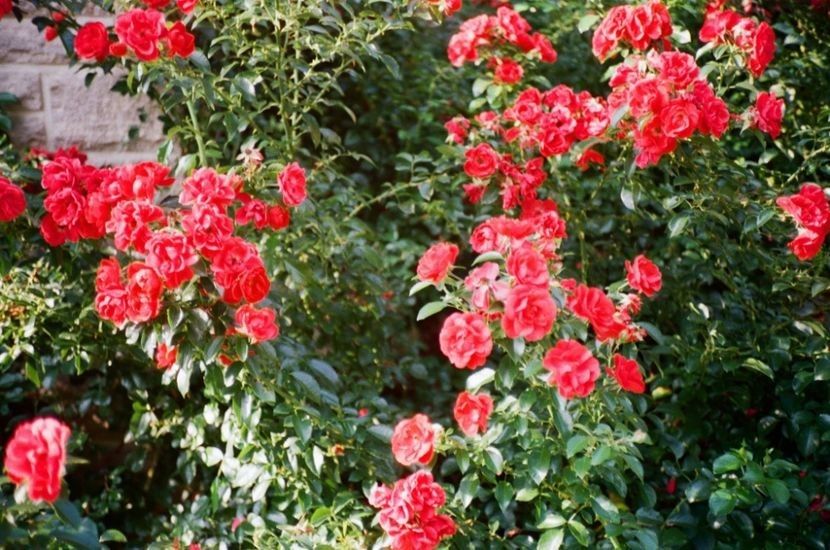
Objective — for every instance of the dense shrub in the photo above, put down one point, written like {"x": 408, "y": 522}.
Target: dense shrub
{"x": 573, "y": 322}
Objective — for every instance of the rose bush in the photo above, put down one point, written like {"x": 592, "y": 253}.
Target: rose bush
{"x": 313, "y": 321}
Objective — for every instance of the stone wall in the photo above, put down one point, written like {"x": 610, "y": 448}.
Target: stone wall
{"x": 58, "y": 110}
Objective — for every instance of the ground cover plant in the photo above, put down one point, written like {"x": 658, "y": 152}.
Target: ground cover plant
{"x": 427, "y": 273}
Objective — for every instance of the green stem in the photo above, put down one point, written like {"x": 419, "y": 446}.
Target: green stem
{"x": 200, "y": 143}
{"x": 381, "y": 197}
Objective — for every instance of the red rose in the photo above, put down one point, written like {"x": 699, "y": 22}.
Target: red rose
{"x": 92, "y": 41}
{"x": 679, "y": 118}
{"x": 111, "y": 305}
{"x": 472, "y": 412}
{"x": 768, "y": 113}
{"x": 141, "y": 30}
{"x": 206, "y": 186}
{"x": 644, "y": 276}
{"x": 716, "y": 117}
{"x": 763, "y": 49}
{"x": 50, "y": 33}
{"x": 408, "y": 512}
{"x": 457, "y": 129}
{"x": 573, "y": 369}
{"x": 186, "y": 6}
{"x": 507, "y": 70}
{"x": 252, "y": 285}
{"x": 130, "y": 222}
{"x": 413, "y": 441}
{"x": 512, "y": 25}
{"x": 156, "y": 4}
{"x": 292, "y": 182}
{"x": 588, "y": 157}
{"x": 465, "y": 340}
{"x": 5, "y": 8}
{"x": 166, "y": 356}
{"x": 593, "y": 305}
{"x": 12, "y": 200}
{"x": 529, "y": 313}
{"x": 207, "y": 227}
{"x": 528, "y": 267}
{"x": 235, "y": 256}
{"x": 679, "y": 68}
{"x": 65, "y": 205}
{"x": 254, "y": 210}
{"x": 436, "y": 263}
{"x": 648, "y": 96}
{"x": 610, "y": 30}
{"x": 144, "y": 290}
{"x": 108, "y": 276}
{"x": 807, "y": 244}
{"x": 279, "y": 217}
{"x": 627, "y": 374}
{"x": 180, "y": 41}
{"x": 482, "y": 161}
{"x": 810, "y": 208}
{"x": 542, "y": 44}
{"x": 258, "y": 325}
{"x": 36, "y": 456}
{"x": 171, "y": 255}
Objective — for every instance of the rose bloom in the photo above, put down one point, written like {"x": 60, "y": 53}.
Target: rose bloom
{"x": 472, "y": 412}
{"x": 5, "y": 8}
{"x": 436, "y": 263}
{"x": 811, "y": 211}
{"x": 171, "y": 255}
{"x": 644, "y": 276}
{"x": 166, "y": 356}
{"x": 507, "y": 71}
{"x": 529, "y": 313}
{"x": 180, "y": 41}
{"x": 144, "y": 288}
{"x": 627, "y": 374}
{"x": 528, "y": 266}
{"x": 593, "y": 305}
{"x": 130, "y": 221}
{"x": 92, "y": 41}
{"x": 206, "y": 186}
{"x": 413, "y": 441}
{"x": 482, "y": 161}
{"x": 457, "y": 129}
{"x": 279, "y": 217}
{"x": 807, "y": 244}
{"x": 253, "y": 211}
{"x": 252, "y": 285}
{"x": 768, "y": 113}
{"x": 141, "y": 30}
{"x": 156, "y": 4}
{"x": 12, "y": 200}
{"x": 186, "y": 6}
{"x": 408, "y": 512}
{"x": 573, "y": 369}
{"x": 465, "y": 340}
{"x": 258, "y": 325}
{"x": 36, "y": 456}
{"x": 763, "y": 49}
{"x": 679, "y": 118}
{"x": 207, "y": 227}
{"x": 292, "y": 181}
{"x": 588, "y": 157}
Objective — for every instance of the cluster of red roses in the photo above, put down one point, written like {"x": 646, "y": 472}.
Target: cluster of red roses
{"x": 85, "y": 202}
{"x": 668, "y": 99}
{"x": 811, "y": 211}
{"x": 36, "y": 457}
{"x": 144, "y": 32}
{"x": 550, "y": 122}
{"x": 640, "y": 27}
{"x": 493, "y": 33}
{"x": 755, "y": 41}
{"x": 408, "y": 512}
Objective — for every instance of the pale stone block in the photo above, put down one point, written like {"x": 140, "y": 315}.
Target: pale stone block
{"x": 23, "y": 82}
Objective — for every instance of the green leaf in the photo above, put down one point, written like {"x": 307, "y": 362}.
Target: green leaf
{"x": 419, "y": 286}
{"x": 246, "y": 475}
{"x": 726, "y": 463}
{"x": 698, "y": 491}
{"x": 488, "y": 257}
{"x": 586, "y": 22}
{"x": 504, "y": 494}
{"x": 467, "y": 489}
{"x": 678, "y": 224}
{"x": 576, "y": 444}
{"x": 325, "y": 372}
{"x": 539, "y": 464}
{"x": 67, "y": 512}
{"x": 493, "y": 460}
{"x": 579, "y": 531}
{"x": 551, "y": 540}
{"x": 605, "y": 509}
{"x": 213, "y": 456}
{"x": 430, "y": 309}
{"x": 480, "y": 378}
{"x": 112, "y": 535}
{"x": 551, "y": 521}
{"x": 307, "y": 382}
{"x": 778, "y": 490}
{"x": 601, "y": 455}
{"x": 758, "y": 366}
{"x": 721, "y": 502}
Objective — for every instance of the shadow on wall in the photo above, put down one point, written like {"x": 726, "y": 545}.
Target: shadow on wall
{"x": 56, "y": 109}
